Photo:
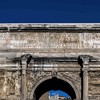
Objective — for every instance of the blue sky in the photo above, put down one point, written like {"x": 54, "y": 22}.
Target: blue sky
{"x": 50, "y": 11}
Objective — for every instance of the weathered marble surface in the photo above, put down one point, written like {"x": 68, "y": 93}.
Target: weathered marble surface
{"x": 49, "y": 40}
{"x": 50, "y": 44}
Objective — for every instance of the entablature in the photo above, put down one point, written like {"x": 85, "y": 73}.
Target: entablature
{"x": 49, "y": 63}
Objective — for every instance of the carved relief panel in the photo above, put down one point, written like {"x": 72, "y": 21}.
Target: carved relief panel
{"x": 94, "y": 83}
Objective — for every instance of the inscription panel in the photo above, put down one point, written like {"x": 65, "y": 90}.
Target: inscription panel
{"x": 47, "y": 40}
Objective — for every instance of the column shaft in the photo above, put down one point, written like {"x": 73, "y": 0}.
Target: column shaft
{"x": 84, "y": 59}
{"x": 23, "y": 82}
{"x": 85, "y": 85}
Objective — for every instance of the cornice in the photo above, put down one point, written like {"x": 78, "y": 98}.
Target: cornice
{"x": 50, "y": 27}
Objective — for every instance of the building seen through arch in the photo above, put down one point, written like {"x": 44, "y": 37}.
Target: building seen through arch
{"x": 58, "y": 94}
{"x": 37, "y": 58}
{"x": 53, "y": 84}
{"x": 55, "y": 96}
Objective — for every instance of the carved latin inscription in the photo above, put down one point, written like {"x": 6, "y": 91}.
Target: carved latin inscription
{"x": 45, "y": 40}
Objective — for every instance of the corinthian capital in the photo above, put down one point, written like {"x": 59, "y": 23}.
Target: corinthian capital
{"x": 84, "y": 59}
{"x": 26, "y": 58}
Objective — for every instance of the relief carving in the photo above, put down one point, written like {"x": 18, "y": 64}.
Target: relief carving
{"x": 30, "y": 80}
{"x": 95, "y": 74}
{"x": 94, "y": 83}
{"x": 11, "y": 85}
{"x": 2, "y": 79}
{"x": 74, "y": 76}
{"x": 34, "y": 77}
{"x": 94, "y": 89}
{"x": 94, "y": 97}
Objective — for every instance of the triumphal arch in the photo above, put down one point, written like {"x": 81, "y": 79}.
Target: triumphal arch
{"x": 36, "y": 58}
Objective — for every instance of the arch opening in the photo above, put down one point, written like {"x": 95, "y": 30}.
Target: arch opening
{"x": 54, "y": 84}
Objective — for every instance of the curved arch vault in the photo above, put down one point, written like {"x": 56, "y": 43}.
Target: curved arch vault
{"x": 54, "y": 83}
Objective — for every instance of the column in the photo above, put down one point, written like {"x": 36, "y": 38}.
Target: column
{"x": 23, "y": 79}
{"x": 85, "y": 67}
{"x": 25, "y": 60}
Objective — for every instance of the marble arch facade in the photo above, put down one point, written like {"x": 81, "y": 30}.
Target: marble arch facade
{"x": 33, "y": 53}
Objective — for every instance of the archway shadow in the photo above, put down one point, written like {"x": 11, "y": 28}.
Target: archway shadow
{"x": 54, "y": 84}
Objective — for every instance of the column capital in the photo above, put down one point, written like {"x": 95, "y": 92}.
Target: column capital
{"x": 84, "y": 59}
{"x": 26, "y": 58}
